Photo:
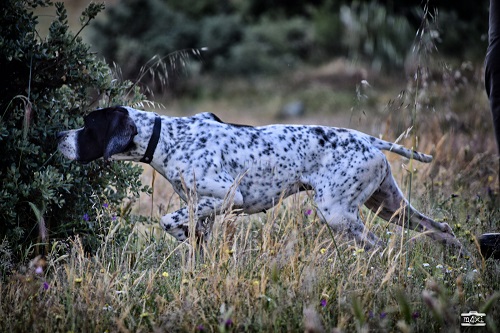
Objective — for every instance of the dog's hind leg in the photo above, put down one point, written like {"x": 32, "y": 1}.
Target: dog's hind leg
{"x": 395, "y": 208}
{"x": 351, "y": 181}
{"x": 338, "y": 203}
{"x": 349, "y": 225}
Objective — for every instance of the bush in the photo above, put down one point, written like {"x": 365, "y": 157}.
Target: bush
{"x": 251, "y": 37}
{"x": 48, "y": 83}
{"x": 220, "y": 33}
{"x": 328, "y": 29}
{"x": 374, "y": 34}
{"x": 269, "y": 47}
{"x": 157, "y": 30}
{"x": 233, "y": 46}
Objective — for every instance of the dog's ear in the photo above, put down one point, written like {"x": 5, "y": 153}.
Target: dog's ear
{"x": 120, "y": 133}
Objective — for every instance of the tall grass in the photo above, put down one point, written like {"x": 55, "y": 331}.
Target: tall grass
{"x": 279, "y": 271}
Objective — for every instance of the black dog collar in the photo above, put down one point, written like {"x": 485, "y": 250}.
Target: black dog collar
{"x": 153, "y": 142}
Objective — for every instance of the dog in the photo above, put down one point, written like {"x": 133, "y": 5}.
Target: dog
{"x": 218, "y": 163}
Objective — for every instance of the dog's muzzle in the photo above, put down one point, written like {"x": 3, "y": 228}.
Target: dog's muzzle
{"x": 67, "y": 144}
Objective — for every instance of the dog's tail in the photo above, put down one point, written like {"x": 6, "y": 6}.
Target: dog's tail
{"x": 398, "y": 149}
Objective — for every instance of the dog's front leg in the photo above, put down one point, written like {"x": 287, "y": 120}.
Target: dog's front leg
{"x": 177, "y": 223}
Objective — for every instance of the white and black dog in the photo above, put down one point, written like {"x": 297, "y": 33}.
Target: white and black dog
{"x": 256, "y": 166}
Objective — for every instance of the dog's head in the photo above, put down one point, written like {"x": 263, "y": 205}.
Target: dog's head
{"x": 106, "y": 132}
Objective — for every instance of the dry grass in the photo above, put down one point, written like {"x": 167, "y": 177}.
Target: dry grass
{"x": 281, "y": 271}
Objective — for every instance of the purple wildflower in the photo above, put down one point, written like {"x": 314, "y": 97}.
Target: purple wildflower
{"x": 308, "y": 212}
{"x": 415, "y": 315}
{"x": 45, "y": 286}
{"x": 85, "y": 217}
{"x": 370, "y": 314}
{"x": 228, "y": 323}
{"x": 113, "y": 218}
{"x": 105, "y": 205}
{"x": 200, "y": 328}
{"x": 39, "y": 270}
{"x": 322, "y": 302}
{"x": 383, "y": 315}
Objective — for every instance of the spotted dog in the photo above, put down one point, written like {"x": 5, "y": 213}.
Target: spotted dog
{"x": 211, "y": 161}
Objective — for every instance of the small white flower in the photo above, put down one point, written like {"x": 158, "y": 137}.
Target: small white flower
{"x": 439, "y": 266}
{"x": 425, "y": 264}
{"x": 474, "y": 270}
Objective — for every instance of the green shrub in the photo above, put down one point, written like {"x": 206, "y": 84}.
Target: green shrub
{"x": 327, "y": 29}
{"x": 48, "y": 84}
{"x": 219, "y": 34}
{"x": 373, "y": 33}
{"x": 253, "y": 37}
{"x": 133, "y": 32}
{"x": 269, "y": 47}
{"x": 234, "y": 46}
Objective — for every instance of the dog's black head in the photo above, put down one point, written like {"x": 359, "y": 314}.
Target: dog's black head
{"x": 106, "y": 132}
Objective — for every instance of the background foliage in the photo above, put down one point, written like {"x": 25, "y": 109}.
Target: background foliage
{"x": 48, "y": 84}
{"x": 253, "y": 37}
